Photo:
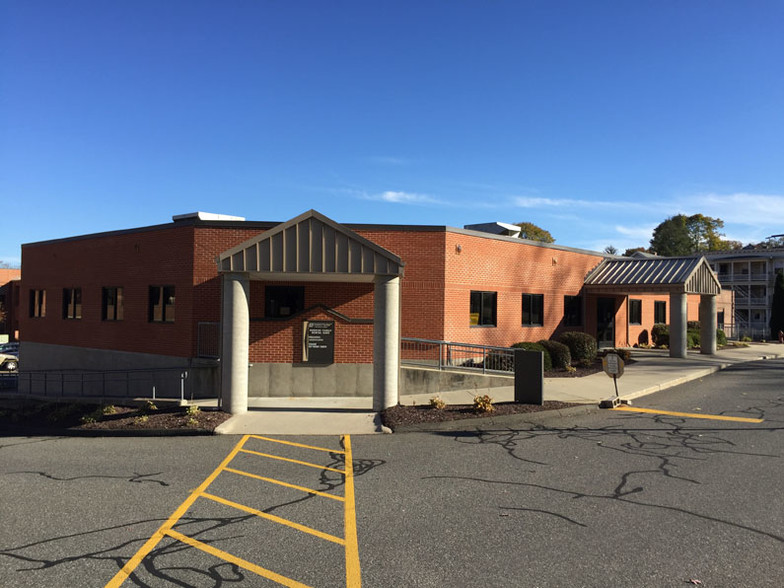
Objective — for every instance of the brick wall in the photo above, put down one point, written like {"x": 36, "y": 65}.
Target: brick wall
{"x": 511, "y": 269}
{"x": 422, "y": 292}
{"x": 280, "y": 340}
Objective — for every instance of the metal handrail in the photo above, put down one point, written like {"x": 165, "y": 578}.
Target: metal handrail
{"x": 160, "y": 383}
{"x": 443, "y": 355}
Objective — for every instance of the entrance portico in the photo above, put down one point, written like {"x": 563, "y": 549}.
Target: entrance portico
{"x": 309, "y": 248}
{"x": 677, "y": 277}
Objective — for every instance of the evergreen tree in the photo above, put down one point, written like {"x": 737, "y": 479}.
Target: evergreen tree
{"x": 777, "y": 308}
{"x": 671, "y": 238}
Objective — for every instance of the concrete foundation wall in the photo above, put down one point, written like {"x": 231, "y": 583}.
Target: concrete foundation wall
{"x": 101, "y": 372}
{"x": 282, "y": 380}
{"x": 425, "y": 381}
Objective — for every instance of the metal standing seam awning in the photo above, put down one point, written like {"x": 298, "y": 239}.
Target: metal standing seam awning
{"x": 310, "y": 248}
{"x": 677, "y": 276}
{"x": 681, "y": 275}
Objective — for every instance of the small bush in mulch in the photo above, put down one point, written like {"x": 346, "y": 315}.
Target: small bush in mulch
{"x": 75, "y": 416}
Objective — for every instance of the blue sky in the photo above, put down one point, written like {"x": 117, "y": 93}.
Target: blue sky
{"x": 593, "y": 120}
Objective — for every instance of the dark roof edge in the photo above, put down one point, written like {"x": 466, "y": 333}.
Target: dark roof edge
{"x": 526, "y": 241}
{"x": 261, "y": 225}
{"x": 265, "y": 225}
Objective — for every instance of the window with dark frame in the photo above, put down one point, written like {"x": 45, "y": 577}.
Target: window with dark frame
{"x": 720, "y": 320}
{"x": 72, "y": 303}
{"x": 635, "y": 311}
{"x": 660, "y": 312}
{"x": 283, "y": 301}
{"x": 112, "y": 304}
{"x": 484, "y": 306}
{"x": 573, "y": 311}
{"x": 161, "y": 304}
{"x": 37, "y": 303}
{"x": 533, "y": 310}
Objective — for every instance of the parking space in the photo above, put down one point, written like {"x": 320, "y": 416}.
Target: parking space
{"x": 274, "y": 512}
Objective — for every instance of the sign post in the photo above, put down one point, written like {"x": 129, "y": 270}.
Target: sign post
{"x": 613, "y": 367}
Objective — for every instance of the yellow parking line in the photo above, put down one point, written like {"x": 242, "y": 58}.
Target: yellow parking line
{"x": 353, "y": 576}
{"x": 349, "y": 541}
{"x": 275, "y": 519}
{"x": 264, "y": 572}
{"x": 305, "y": 463}
{"x": 286, "y": 484}
{"x": 144, "y": 551}
{"x": 690, "y": 415}
{"x": 282, "y": 442}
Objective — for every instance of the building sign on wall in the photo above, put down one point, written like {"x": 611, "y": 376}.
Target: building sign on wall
{"x": 318, "y": 345}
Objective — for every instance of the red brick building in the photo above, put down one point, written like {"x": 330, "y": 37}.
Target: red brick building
{"x": 155, "y": 297}
{"x": 9, "y": 303}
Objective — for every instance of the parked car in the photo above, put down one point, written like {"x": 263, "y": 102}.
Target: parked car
{"x": 10, "y": 348}
{"x": 8, "y": 362}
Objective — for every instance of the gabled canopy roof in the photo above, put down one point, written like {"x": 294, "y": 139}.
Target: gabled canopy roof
{"x": 311, "y": 247}
{"x": 689, "y": 275}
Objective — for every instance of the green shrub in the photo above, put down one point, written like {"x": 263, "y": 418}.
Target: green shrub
{"x": 624, "y": 354}
{"x": 692, "y": 338}
{"x": 693, "y": 325}
{"x": 582, "y": 346}
{"x": 501, "y": 362}
{"x": 721, "y": 338}
{"x": 561, "y": 357}
{"x": 546, "y": 359}
{"x": 660, "y": 333}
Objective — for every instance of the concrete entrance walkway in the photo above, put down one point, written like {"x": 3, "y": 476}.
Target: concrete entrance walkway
{"x": 652, "y": 371}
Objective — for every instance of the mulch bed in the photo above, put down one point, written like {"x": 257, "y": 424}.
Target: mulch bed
{"x": 77, "y": 417}
{"x": 398, "y": 416}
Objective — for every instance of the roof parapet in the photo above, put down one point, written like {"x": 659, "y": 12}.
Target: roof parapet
{"x": 206, "y": 216}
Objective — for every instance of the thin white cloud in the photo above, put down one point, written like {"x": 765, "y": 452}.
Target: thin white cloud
{"x": 640, "y": 233}
{"x": 538, "y": 202}
{"x": 741, "y": 208}
{"x": 398, "y": 197}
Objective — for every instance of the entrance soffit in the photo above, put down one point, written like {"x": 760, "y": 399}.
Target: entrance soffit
{"x": 683, "y": 275}
{"x": 311, "y": 247}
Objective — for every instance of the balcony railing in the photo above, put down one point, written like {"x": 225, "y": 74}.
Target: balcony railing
{"x": 759, "y": 301}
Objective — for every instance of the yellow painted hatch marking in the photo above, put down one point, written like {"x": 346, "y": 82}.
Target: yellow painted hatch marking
{"x": 350, "y": 543}
{"x": 282, "y": 442}
{"x": 690, "y": 415}
{"x": 286, "y": 484}
{"x": 275, "y": 519}
{"x": 150, "y": 544}
{"x": 224, "y": 555}
{"x": 353, "y": 576}
{"x": 288, "y": 459}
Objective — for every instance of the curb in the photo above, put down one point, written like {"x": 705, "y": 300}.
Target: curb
{"x": 16, "y": 431}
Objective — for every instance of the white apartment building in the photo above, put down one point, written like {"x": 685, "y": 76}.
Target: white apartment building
{"x": 751, "y": 274}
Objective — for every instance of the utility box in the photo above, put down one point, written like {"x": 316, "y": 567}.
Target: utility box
{"x": 529, "y": 377}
